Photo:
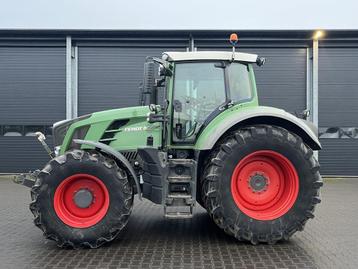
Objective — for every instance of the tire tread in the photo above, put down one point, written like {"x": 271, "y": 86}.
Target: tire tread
{"x": 212, "y": 173}
{"x": 80, "y": 156}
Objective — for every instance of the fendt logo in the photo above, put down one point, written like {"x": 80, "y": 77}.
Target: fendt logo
{"x": 135, "y": 129}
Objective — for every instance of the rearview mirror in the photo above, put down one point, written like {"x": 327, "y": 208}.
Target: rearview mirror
{"x": 149, "y": 80}
{"x": 260, "y": 61}
{"x": 165, "y": 70}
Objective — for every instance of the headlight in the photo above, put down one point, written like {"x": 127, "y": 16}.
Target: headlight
{"x": 60, "y": 129}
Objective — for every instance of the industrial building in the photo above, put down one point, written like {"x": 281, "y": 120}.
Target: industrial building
{"x": 50, "y": 75}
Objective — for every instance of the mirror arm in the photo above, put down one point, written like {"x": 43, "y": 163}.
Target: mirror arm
{"x": 159, "y": 82}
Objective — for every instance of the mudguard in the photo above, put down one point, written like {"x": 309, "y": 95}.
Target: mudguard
{"x": 237, "y": 116}
{"x": 119, "y": 156}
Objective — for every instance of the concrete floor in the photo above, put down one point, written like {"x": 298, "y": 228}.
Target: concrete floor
{"x": 149, "y": 241}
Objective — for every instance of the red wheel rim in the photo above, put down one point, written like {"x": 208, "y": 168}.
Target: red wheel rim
{"x": 265, "y": 185}
{"x": 91, "y": 210}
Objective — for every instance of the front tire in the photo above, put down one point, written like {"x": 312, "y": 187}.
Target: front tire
{"x": 261, "y": 184}
{"x": 81, "y": 199}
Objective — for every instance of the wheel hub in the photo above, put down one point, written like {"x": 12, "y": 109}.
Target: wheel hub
{"x": 258, "y": 182}
{"x": 83, "y": 198}
{"x": 264, "y": 185}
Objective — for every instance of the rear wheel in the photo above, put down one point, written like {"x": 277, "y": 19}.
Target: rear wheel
{"x": 261, "y": 184}
{"x": 81, "y": 199}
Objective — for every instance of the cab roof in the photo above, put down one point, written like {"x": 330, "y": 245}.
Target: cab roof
{"x": 209, "y": 55}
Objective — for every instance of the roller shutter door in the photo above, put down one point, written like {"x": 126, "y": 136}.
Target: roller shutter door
{"x": 109, "y": 77}
{"x": 338, "y": 110}
{"x": 32, "y": 97}
{"x": 281, "y": 82}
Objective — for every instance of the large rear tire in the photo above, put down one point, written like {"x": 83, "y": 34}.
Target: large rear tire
{"x": 81, "y": 199}
{"x": 261, "y": 184}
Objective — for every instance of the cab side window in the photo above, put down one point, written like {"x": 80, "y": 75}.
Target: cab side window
{"x": 239, "y": 82}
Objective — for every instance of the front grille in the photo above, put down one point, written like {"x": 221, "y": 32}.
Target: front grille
{"x": 131, "y": 156}
{"x": 60, "y": 128}
{"x": 59, "y": 133}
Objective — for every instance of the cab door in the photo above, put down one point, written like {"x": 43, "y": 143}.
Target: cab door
{"x": 198, "y": 90}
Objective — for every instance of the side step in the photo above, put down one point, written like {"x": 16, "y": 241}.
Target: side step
{"x": 180, "y": 189}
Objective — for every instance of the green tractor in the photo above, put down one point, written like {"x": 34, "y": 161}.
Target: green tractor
{"x": 199, "y": 136}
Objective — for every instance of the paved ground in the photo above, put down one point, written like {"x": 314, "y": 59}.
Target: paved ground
{"x": 149, "y": 241}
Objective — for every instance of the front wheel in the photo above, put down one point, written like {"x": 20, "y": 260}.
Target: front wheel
{"x": 81, "y": 199}
{"x": 261, "y": 184}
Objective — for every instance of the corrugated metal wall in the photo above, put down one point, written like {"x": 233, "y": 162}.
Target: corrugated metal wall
{"x": 32, "y": 96}
{"x": 109, "y": 77}
{"x": 281, "y": 82}
{"x": 338, "y": 108}
{"x": 33, "y": 86}
{"x": 22, "y": 154}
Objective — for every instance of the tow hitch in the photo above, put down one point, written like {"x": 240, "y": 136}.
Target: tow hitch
{"x": 27, "y": 179}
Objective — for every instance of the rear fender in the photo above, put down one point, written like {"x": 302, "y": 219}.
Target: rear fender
{"x": 237, "y": 117}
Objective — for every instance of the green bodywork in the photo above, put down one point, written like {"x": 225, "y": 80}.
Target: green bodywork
{"x": 134, "y": 134}
{"x": 128, "y": 137}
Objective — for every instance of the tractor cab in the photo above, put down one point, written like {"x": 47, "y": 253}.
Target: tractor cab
{"x": 198, "y": 86}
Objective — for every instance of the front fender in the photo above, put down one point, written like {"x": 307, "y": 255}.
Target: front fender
{"x": 239, "y": 116}
{"x": 116, "y": 154}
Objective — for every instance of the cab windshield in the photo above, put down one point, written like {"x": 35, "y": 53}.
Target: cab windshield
{"x": 200, "y": 89}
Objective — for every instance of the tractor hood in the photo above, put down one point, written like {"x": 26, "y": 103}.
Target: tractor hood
{"x": 121, "y": 113}
{"x": 123, "y": 129}
{"x": 60, "y": 128}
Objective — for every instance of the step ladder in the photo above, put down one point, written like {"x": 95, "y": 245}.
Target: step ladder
{"x": 180, "y": 189}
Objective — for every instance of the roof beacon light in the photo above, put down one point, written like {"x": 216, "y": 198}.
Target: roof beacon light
{"x": 233, "y": 40}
